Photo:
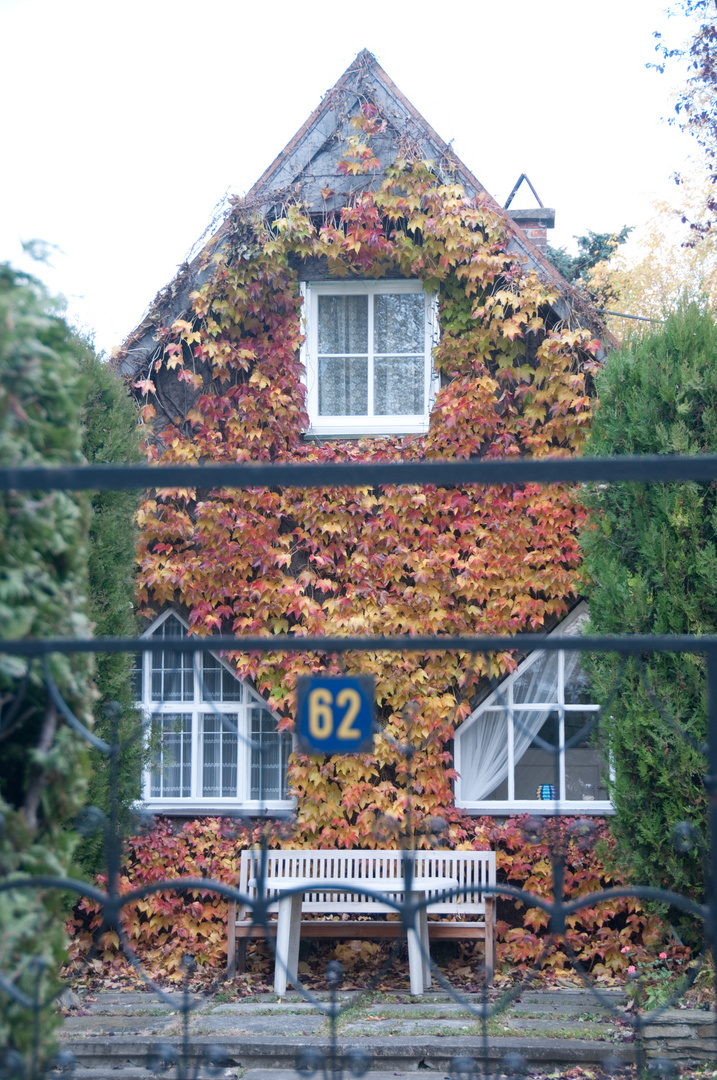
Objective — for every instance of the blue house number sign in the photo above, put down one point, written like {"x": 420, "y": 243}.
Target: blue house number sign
{"x": 335, "y": 714}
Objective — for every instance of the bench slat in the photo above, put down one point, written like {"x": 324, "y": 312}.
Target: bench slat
{"x": 350, "y": 929}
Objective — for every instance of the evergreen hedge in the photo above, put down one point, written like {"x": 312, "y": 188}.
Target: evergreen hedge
{"x": 43, "y": 589}
{"x": 66, "y": 562}
{"x": 651, "y": 561}
{"x": 109, "y": 421}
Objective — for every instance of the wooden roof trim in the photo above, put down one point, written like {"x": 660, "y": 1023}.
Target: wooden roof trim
{"x": 261, "y": 186}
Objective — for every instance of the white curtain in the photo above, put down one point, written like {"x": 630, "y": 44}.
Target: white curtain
{"x": 484, "y": 744}
{"x": 484, "y": 754}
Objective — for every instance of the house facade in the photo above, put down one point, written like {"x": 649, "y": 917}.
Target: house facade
{"x": 367, "y": 300}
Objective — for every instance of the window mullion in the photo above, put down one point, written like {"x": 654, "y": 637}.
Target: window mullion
{"x": 220, "y": 751}
{"x": 243, "y": 752}
{"x": 312, "y": 343}
{"x": 511, "y": 754}
{"x": 197, "y": 725}
{"x": 370, "y": 355}
{"x": 429, "y": 395}
{"x": 147, "y": 717}
{"x": 562, "y": 794}
{"x": 146, "y": 738}
{"x": 195, "y": 786}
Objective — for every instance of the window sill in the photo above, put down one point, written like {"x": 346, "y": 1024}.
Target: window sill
{"x": 213, "y": 807}
{"x": 359, "y": 431}
{"x": 539, "y": 808}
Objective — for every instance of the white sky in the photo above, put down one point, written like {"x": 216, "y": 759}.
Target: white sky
{"x": 125, "y": 123}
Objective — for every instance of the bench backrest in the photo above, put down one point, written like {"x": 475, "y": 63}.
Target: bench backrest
{"x": 473, "y": 870}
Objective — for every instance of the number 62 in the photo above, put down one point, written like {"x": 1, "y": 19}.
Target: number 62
{"x": 322, "y": 717}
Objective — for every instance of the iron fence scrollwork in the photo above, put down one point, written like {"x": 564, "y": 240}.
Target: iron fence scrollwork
{"x": 338, "y": 1060}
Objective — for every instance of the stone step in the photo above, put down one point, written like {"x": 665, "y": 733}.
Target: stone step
{"x": 134, "y": 1072}
{"x": 395, "y": 1053}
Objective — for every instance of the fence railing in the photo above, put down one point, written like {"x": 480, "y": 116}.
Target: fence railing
{"x": 184, "y": 1057}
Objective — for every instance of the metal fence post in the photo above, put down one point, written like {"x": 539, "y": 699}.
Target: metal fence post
{"x": 711, "y": 786}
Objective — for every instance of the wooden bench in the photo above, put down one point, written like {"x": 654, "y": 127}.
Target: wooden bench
{"x": 470, "y": 871}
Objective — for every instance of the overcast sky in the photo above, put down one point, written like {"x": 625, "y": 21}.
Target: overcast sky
{"x": 125, "y": 123}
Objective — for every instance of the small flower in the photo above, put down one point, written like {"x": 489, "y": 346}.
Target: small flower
{"x": 625, "y": 949}
{"x": 663, "y": 956}
{"x": 632, "y": 970}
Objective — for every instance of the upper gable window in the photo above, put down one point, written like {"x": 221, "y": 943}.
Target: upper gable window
{"x": 368, "y": 357}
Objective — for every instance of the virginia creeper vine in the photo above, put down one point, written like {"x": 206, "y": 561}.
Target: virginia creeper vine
{"x": 406, "y": 559}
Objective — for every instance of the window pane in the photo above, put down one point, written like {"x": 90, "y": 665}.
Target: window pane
{"x": 399, "y": 323}
{"x": 577, "y": 688}
{"x": 343, "y": 324}
{"x": 211, "y": 680}
{"x": 539, "y": 682}
{"x": 230, "y": 756}
{"x": 172, "y": 671}
{"x": 584, "y": 769}
{"x": 498, "y": 794}
{"x": 231, "y": 687}
{"x": 269, "y": 756}
{"x": 343, "y": 386}
{"x": 172, "y": 685}
{"x": 171, "y": 742}
{"x": 219, "y": 749}
{"x": 212, "y": 756}
{"x": 398, "y": 385}
{"x": 537, "y": 767}
{"x": 219, "y": 684}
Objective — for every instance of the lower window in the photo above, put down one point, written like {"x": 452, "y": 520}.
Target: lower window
{"x": 213, "y": 742}
{"x": 534, "y": 742}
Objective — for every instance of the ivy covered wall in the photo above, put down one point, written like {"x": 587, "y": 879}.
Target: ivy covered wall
{"x": 226, "y": 386}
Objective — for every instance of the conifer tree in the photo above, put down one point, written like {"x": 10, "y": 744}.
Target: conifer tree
{"x": 109, "y": 423}
{"x": 651, "y": 561}
{"x": 43, "y": 591}
{"x": 66, "y": 563}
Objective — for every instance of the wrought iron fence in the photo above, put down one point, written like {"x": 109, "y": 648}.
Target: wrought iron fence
{"x": 187, "y": 1058}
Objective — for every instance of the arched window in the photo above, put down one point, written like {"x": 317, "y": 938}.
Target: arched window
{"x": 533, "y": 742}
{"x": 213, "y": 740}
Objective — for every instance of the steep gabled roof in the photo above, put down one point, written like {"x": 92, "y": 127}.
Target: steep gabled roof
{"x": 308, "y": 164}
{"x": 310, "y": 159}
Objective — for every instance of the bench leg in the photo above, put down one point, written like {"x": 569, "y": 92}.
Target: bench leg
{"x": 231, "y": 939}
{"x": 490, "y": 938}
{"x": 288, "y": 936}
{"x": 241, "y": 955}
{"x": 294, "y": 940}
{"x": 425, "y": 949}
{"x": 415, "y": 955}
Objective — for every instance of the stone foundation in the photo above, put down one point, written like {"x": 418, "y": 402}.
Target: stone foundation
{"x": 681, "y": 1035}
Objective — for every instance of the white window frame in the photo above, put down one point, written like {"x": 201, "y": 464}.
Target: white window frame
{"x": 368, "y": 425}
{"x": 198, "y": 708}
{"x": 502, "y": 697}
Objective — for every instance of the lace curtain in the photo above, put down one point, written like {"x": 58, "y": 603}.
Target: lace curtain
{"x": 484, "y": 744}
{"x": 396, "y": 354}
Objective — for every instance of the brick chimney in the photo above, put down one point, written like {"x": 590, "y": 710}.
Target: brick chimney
{"x": 534, "y": 223}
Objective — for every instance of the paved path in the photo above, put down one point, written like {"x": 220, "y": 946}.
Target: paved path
{"x": 115, "y": 1033}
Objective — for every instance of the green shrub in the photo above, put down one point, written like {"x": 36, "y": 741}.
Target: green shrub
{"x": 109, "y": 421}
{"x": 651, "y": 564}
{"x": 43, "y": 589}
